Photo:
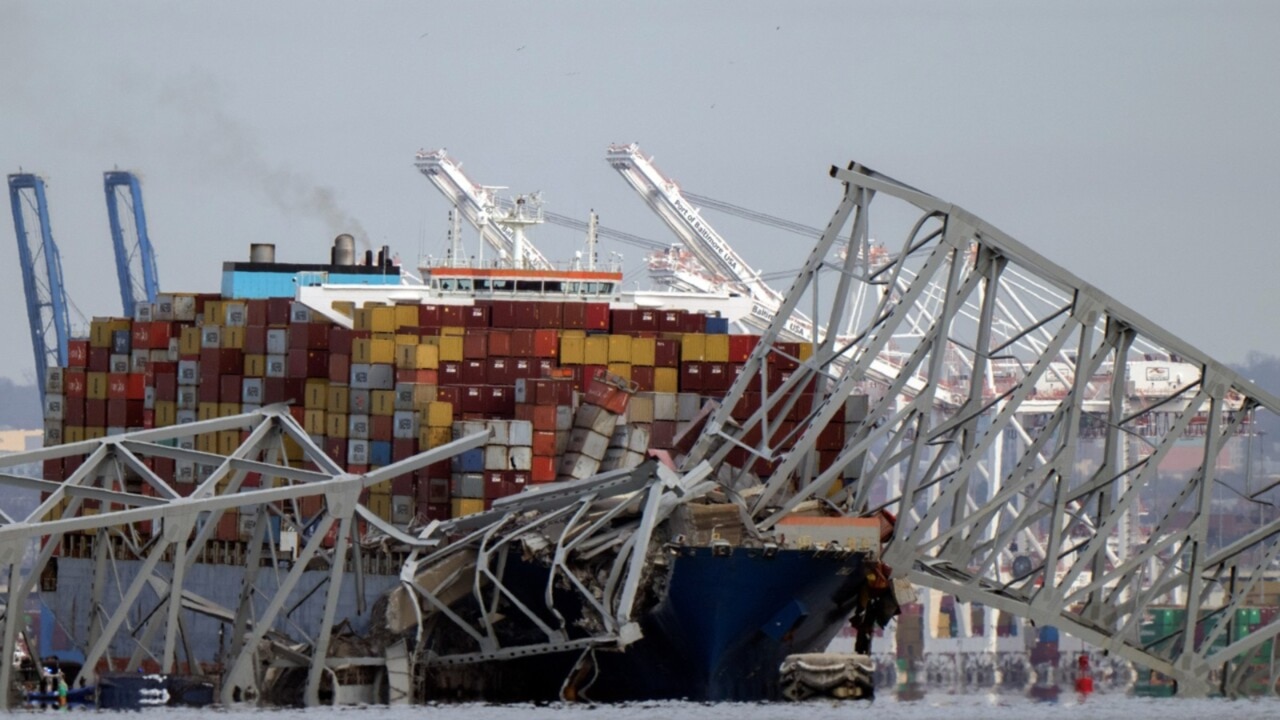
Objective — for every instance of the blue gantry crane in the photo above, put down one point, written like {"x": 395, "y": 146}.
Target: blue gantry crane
{"x": 47, "y": 312}
{"x": 135, "y": 261}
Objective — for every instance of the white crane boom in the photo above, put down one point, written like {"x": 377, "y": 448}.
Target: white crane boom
{"x": 477, "y": 203}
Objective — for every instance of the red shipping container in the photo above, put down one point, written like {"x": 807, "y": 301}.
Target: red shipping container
{"x": 255, "y": 340}
{"x": 802, "y": 407}
{"x": 691, "y": 377}
{"x": 53, "y": 470}
{"x": 451, "y": 316}
{"x": 544, "y": 442}
{"x": 296, "y": 409}
{"x": 546, "y": 343}
{"x": 498, "y": 371}
{"x": 307, "y": 363}
{"x": 474, "y": 400}
{"x": 74, "y": 383}
{"x": 74, "y": 409}
{"x": 662, "y": 434}
{"x": 95, "y": 413}
{"x": 550, "y": 315}
{"x": 740, "y": 347}
{"x": 543, "y": 417}
{"x": 542, "y": 469}
{"x": 402, "y": 484}
{"x": 607, "y": 395}
{"x": 311, "y": 336}
{"x": 221, "y": 361}
{"x": 341, "y": 340}
{"x": 787, "y": 357}
{"x": 644, "y": 320}
{"x": 429, "y": 317}
{"x": 526, "y": 314}
{"x": 451, "y": 395}
{"x": 403, "y": 449}
{"x": 230, "y": 388}
{"x": 597, "y": 316}
{"x": 336, "y": 449}
{"x": 832, "y": 436}
{"x": 124, "y": 413}
{"x": 418, "y": 377}
{"x": 621, "y": 322}
{"x": 255, "y": 313}
{"x": 474, "y": 372}
{"x": 77, "y": 353}
{"x": 573, "y": 315}
{"x": 274, "y": 390}
{"x": 693, "y": 323}
{"x": 670, "y": 320}
{"x": 140, "y": 336}
{"x": 499, "y": 343}
{"x": 502, "y": 314}
{"x": 117, "y": 386}
{"x": 277, "y": 311}
{"x": 475, "y": 344}
{"x": 753, "y": 383}
{"x": 450, "y": 373}
{"x": 521, "y": 368}
{"x": 747, "y": 406}
{"x": 666, "y": 352}
{"x": 522, "y": 343}
{"x": 642, "y": 377}
{"x": 715, "y": 377}
{"x": 543, "y": 367}
{"x": 475, "y": 316}
{"x": 161, "y": 333}
{"x": 339, "y": 368}
{"x": 99, "y": 359}
{"x": 501, "y": 400}
{"x": 381, "y": 427}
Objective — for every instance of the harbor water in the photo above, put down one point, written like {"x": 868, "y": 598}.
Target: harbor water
{"x": 887, "y": 707}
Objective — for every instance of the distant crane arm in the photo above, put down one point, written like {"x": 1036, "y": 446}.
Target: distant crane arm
{"x": 42, "y": 282}
{"x": 136, "y": 265}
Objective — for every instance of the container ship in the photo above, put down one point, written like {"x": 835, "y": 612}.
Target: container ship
{"x": 572, "y": 379}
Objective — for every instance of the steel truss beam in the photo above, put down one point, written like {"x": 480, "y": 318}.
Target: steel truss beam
{"x": 114, "y": 472}
{"x": 1027, "y": 406}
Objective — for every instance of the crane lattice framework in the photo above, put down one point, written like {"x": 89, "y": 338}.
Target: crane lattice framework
{"x": 135, "y": 259}
{"x": 138, "y": 617}
{"x": 951, "y": 460}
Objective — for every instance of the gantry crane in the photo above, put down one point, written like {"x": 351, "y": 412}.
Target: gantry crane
{"x": 41, "y": 264}
{"x": 135, "y": 262}
{"x": 478, "y": 203}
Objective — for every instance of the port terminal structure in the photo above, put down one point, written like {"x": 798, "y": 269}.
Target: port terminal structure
{"x": 969, "y": 459}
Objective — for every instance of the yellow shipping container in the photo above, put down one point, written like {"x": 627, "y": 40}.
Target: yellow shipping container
{"x": 450, "y": 348}
{"x": 189, "y": 340}
{"x": 440, "y": 414}
{"x": 206, "y": 411}
{"x": 644, "y": 351}
{"x": 716, "y": 348}
{"x": 693, "y": 347}
{"x": 255, "y": 365}
{"x": 360, "y": 351}
{"x": 596, "y": 350}
{"x": 93, "y": 432}
{"x": 382, "y": 351}
{"x": 335, "y": 424}
{"x": 233, "y": 337}
{"x": 100, "y": 333}
{"x": 467, "y": 506}
{"x": 213, "y": 314}
{"x": 316, "y": 393}
{"x": 314, "y": 422}
{"x": 406, "y": 355}
{"x": 95, "y": 386}
{"x": 228, "y": 409}
{"x": 292, "y": 450}
{"x": 73, "y": 433}
{"x": 345, "y": 308}
{"x": 422, "y": 395}
{"x": 434, "y": 437}
{"x": 383, "y": 320}
{"x": 622, "y": 370}
{"x": 427, "y": 357}
{"x": 406, "y": 316}
{"x": 380, "y": 505}
{"x": 382, "y": 402}
{"x": 452, "y": 330}
{"x": 338, "y": 399}
{"x": 619, "y": 348}
{"x": 806, "y": 351}
{"x": 666, "y": 380}
{"x": 166, "y": 413}
{"x": 361, "y": 321}
{"x": 207, "y": 442}
{"x": 572, "y": 350}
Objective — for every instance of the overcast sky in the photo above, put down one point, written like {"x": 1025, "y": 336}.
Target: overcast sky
{"x": 1136, "y": 144}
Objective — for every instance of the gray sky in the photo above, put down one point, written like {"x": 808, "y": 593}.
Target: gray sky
{"x": 1136, "y": 144}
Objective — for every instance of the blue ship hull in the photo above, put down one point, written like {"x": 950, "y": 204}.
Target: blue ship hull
{"x": 719, "y": 632}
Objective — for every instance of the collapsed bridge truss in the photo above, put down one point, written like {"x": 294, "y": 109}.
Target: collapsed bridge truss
{"x": 1043, "y": 411}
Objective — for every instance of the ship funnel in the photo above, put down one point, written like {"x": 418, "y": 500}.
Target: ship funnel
{"x": 262, "y": 253}
{"x": 344, "y": 250}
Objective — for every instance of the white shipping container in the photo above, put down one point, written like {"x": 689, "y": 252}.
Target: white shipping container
{"x": 277, "y": 341}
{"x": 54, "y": 406}
{"x": 562, "y": 441}
{"x": 564, "y": 417}
{"x": 164, "y": 307}
{"x": 687, "y": 406}
{"x": 467, "y": 485}
{"x": 184, "y": 307}
{"x": 358, "y": 428}
{"x": 402, "y": 509}
{"x": 589, "y": 443}
{"x": 638, "y": 439}
{"x": 404, "y": 396}
{"x": 664, "y": 407}
{"x": 299, "y": 313}
{"x": 404, "y": 425}
{"x": 188, "y": 398}
{"x": 521, "y": 458}
{"x": 520, "y": 433}
{"x": 357, "y": 452}
{"x": 251, "y": 391}
{"x": 185, "y": 417}
{"x": 495, "y": 457}
{"x": 184, "y": 471}
{"x": 138, "y": 360}
{"x": 499, "y": 432}
{"x": 577, "y": 467}
{"x": 360, "y": 376}
{"x": 211, "y": 336}
{"x": 522, "y": 390}
{"x": 118, "y": 363}
{"x": 640, "y": 408}
{"x": 596, "y": 419}
{"x": 52, "y": 432}
{"x": 382, "y": 377}
{"x": 188, "y": 372}
{"x": 53, "y": 378}
{"x": 144, "y": 312}
{"x": 277, "y": 366}
{"x": 149, "y": 397}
